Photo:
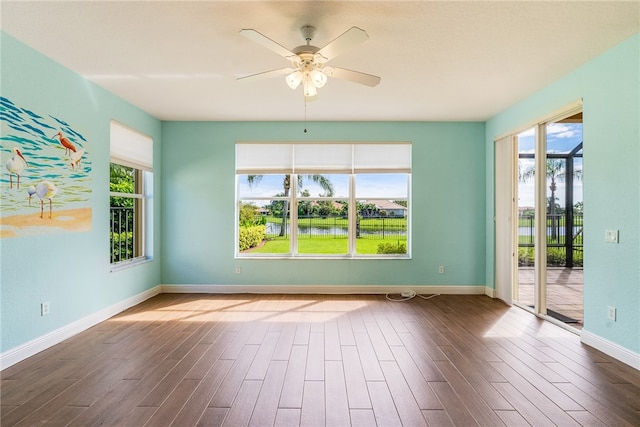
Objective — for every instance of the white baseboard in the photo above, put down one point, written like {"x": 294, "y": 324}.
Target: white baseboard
{"x": 321, "y": 289}
{"x": 17, "y": 354}
{"x": 614, "y": 350}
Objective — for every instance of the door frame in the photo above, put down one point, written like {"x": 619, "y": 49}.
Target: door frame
{"x": 510, "y": 242}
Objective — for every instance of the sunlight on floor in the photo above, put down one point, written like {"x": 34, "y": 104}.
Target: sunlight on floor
{"x": 498, "y": 330}
{"x": 241, "y": 310}
{"x": 503, "y": 328}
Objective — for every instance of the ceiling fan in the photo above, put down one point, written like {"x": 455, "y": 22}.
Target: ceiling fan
{"x": 308, "y": 62}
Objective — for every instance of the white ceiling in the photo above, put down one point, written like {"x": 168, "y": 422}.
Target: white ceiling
{"x": 439, "y": 60}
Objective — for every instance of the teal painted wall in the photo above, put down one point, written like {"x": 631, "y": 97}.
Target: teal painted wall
{"x": 199, "y": 195}
{"x": 68, "y": 269}
{"x": 610, "y": 88}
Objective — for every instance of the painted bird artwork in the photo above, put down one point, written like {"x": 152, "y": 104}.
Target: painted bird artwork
{"x": 15, "y": 165}
{"x": 45, "y": 190}
{"x": 68, "y": 145}
{"x": 76, "y": 158}
{"x": 50, "y": 162}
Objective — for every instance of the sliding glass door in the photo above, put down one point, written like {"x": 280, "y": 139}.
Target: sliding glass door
{"x": 524, "y": 292}
{"x": 547, "y": 202}
{"x": 564, "y": 208}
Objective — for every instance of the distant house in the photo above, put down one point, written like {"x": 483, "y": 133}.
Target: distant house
{"x": 391, "y": 208}
{"x": 524, "y": 209}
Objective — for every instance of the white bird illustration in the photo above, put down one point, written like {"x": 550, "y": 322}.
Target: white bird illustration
{"x": 76, "y": 158}
{"x": 15, "y": 166}
{"x": 31, "y": 191}
{"x": 44, "y": 190}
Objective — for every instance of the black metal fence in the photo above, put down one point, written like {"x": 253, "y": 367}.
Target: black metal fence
{"x": 564, "y": 239}
{"x": 122, "y": 236}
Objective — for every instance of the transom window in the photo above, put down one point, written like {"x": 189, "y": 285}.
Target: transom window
{"x": 323, "y": 199}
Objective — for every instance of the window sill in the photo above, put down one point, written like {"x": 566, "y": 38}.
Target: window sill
{"x": 326, "y": 258}
{"x": 123, "y": 265}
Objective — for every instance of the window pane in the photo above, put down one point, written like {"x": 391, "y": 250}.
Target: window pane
{"x": 263, "y": 229}
{"x": 123, "y": 179}
{"x": 382, "y": 185}
{"x": 323, "y": 185}
{"x": 323, "y": 227}
{"x": 126, "y": 213}
{"x": 262, "y": 186}
{"x": 381, "y": 227}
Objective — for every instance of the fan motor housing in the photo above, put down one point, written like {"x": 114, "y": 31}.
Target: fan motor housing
{"x": 305, "y": 48}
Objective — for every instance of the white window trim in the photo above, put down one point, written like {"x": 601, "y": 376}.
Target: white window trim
{"x": 288, "y": 167}
{"x": 131, "y": 148}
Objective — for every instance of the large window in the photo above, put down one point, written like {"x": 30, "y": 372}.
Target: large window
{"x": 131, "y": 175}
{"x": 319, "y": 200}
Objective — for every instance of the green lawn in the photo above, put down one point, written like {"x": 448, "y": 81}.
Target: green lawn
{"x": 318, "y": 245}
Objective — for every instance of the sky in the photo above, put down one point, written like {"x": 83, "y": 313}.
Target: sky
{"x": 392, "y": 186}
{"x": 561, "y": 138}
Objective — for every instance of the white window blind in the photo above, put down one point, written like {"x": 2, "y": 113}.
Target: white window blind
{"x": 256, "y": 158}
{"x": 318, "y": 158}
{"x": 264, "y": 158}
{"x": 131, "y": 148}
{"x": 368, "y": 158}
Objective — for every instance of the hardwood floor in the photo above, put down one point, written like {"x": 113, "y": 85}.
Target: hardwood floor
{"x": 289, "y": 360}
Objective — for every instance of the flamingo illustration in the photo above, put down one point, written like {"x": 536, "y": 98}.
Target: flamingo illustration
{"x": 76, "y": 158}
{"x": 68, "y": 146}
{"x": 44, "y": 190}
{"x": 15, "y": 165}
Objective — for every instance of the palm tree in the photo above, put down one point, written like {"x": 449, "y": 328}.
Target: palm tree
{"x": 321, "y": 180}
{"x": 556, "y": 172}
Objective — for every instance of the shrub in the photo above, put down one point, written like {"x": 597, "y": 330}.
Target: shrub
{"x": 390, "y": 248}
{"x": 525, "y": 256}
{"x": 251, "y": 236}
{"x": 555, "y": 257}
{"x": 121, "y": 246}
{"x": 249, "y": 215}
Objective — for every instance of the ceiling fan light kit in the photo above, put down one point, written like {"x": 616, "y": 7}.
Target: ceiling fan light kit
{"x": 308, "y": 61}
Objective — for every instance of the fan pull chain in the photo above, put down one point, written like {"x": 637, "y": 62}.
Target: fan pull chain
{"x": 305, "y": 114}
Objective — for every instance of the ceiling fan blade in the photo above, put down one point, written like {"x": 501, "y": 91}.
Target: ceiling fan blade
{"x": 267, "y": 42}
{"x": 352, "y": 76}
{"x": 350, "y": 38}
{"x": 268, "y": 74}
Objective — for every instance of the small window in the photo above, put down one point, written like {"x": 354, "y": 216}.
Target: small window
{"x": 129, "y": 190}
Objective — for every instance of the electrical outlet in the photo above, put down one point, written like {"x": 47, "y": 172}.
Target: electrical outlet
{"x": 441, "y": 269}
{"x": 238, "y": 269}
{"x": 611, "y": 313}
{"x": 45, "y": 308}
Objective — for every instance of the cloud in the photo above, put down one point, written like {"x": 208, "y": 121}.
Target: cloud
{"x": 528, "y": 132}
{"x": 561, "y": 130}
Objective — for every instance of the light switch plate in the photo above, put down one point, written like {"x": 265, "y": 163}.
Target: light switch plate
{"x": 611, "y": 236}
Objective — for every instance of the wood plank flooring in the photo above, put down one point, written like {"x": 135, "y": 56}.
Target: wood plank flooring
{"x": 321, "y": 360}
